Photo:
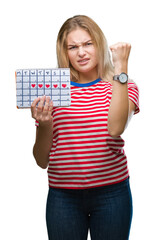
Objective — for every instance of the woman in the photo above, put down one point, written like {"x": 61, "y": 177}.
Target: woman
{"x": 81, "y": 144}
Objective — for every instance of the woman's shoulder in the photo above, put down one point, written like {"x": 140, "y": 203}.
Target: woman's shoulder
{"x": 132, "y": 84}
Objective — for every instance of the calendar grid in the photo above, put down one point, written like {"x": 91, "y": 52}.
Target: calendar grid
{"x": 22, "y": 88}
{"x": 33, "y": 83}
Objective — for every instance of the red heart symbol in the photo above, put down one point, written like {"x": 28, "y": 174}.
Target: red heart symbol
{"x": 40, "y": 85}
{"x": 47, "y": 85}
{"x": 64, "y": 85}
{"x": 33, "y": 85}
{"x": 55, "y": 85}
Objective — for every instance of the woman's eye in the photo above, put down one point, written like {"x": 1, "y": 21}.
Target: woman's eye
{"x": 72, "y": 48}
{"x": 89, "y": 43}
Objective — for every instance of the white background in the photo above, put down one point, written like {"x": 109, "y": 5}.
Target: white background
{"x": 28, "y": 31}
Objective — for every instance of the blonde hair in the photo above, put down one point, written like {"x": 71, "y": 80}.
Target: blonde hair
{"x": 105, "y": 68}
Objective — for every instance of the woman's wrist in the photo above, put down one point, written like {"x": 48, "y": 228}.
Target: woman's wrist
{"x": 119, "y": 68}
{"x": 46, "y": 124}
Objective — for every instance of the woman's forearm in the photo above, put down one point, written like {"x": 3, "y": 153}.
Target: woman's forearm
{"x": 119, "y": 106}
{"x": 44, "y": 133}
{"x": 43, "y": 145}
{"x": 119, "y": 109}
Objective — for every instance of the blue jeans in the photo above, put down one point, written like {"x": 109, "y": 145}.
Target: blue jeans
{"x": 105, "y": 211}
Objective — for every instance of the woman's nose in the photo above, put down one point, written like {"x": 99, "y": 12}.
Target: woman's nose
{"x": 81, "y": 51}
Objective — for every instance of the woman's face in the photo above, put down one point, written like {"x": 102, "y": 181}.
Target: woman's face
{"x": 82, "y": 52}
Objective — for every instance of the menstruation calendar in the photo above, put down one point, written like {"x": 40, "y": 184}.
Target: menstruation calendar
{"x": 33, "y": 83}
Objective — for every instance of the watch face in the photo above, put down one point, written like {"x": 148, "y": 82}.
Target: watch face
{"x": 123, "y": 77}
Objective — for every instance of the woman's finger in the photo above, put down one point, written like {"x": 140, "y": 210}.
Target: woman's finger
{"x": 33, "y": 106}
{"x": 41, "y": 104}
{"x": 46, "y": 107}
{"x": 51, "y": 106}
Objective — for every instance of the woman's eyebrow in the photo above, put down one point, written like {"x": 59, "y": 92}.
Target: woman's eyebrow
{"x": 74, "y": 43}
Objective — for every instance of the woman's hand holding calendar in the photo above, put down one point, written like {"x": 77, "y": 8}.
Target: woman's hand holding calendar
{"x": 43, "y": 112}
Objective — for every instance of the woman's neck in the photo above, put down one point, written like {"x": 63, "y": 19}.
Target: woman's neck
{"x": 87, "y": 77}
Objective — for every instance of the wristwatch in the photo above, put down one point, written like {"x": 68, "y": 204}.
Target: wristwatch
{"x": 122, "y": 78}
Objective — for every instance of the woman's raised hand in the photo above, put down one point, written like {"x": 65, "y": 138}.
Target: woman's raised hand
{"x": 43, "y": 112}
{"x": 120, "y": 53}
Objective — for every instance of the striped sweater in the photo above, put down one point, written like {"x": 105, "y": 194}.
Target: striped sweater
{"x": 83, "y": 154}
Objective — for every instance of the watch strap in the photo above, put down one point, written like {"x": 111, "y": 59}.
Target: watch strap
{"x": 116, "y": 77}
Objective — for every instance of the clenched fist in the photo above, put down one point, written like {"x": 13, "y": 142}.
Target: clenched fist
{"x": 120, "y": 54}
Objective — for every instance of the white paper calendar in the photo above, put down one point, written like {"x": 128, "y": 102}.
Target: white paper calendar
{"x": 33, "y": 83}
